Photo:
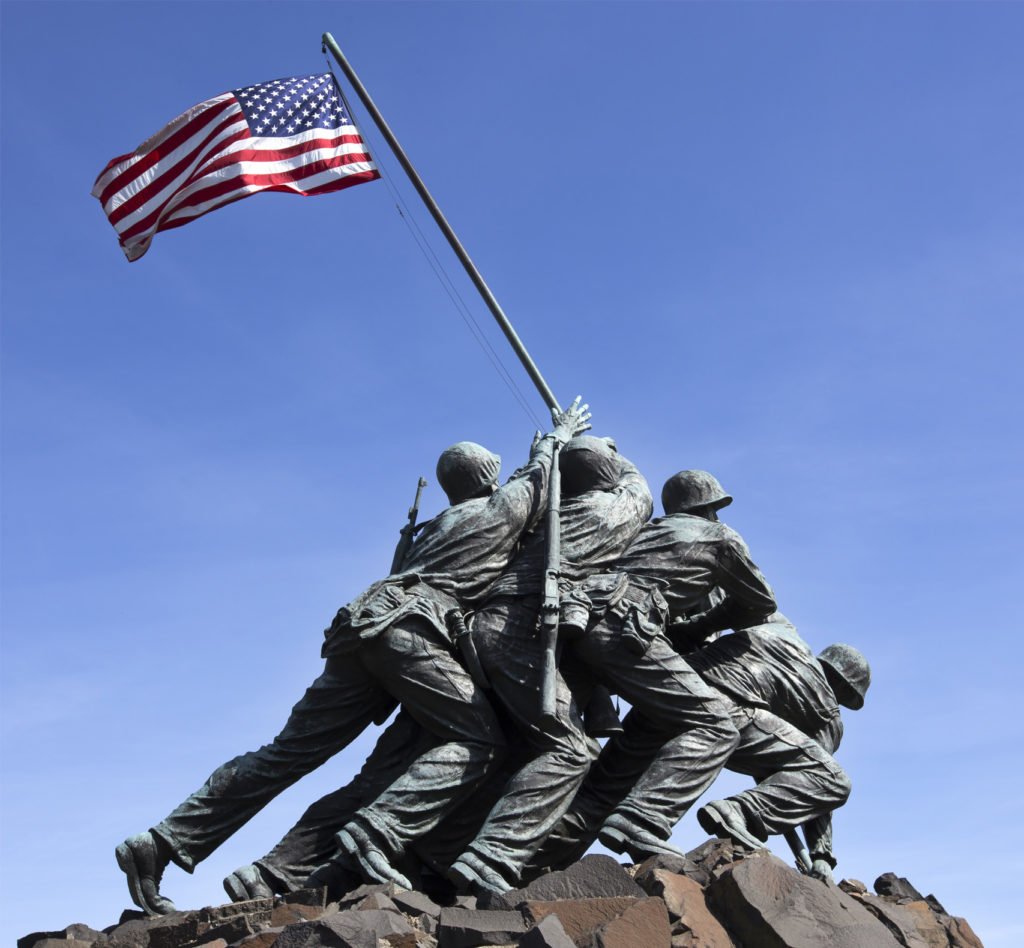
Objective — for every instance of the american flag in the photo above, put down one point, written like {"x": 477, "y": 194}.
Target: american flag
{"x": 286, "y": 135}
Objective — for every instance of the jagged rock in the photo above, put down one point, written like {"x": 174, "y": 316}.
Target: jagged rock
{"x": 130, "y": 933}
{"x": 257, "y": 910}
{"x": 231, "y": 929}
{"x": 579, "y": 917}
{"x": 82, "y": 934}
{"x": 263, "y": 939}
{"x": 896, "y": 887}
{"x": 895, "y": 917}
{"x": 681, "y": 865}
{"x": 712, "y": 855}
{"x": 687, "y": 909}
{"x": 377, "y": 901}
{"x": 164, "y": 931}
{"x": 928, "y": 926}
{"x": 961, "y": 935}
{"x": 754, "y": 901}
{"x": 307, "y": 896}
{"x": 416, "y": 903}
{"x": 593, "y": 877}
{"x": 471, "y": 928}
{"x": 935, "y": 905}
{"x": 128, "y": 915}
{"x": 547, "y": 933}
{"x": 349, "y": 929}
{"x": 769, "y": 905}
{"x": 357, "y": 895}
{"x": 288, "y": 913}
{"x": 643, "y": 923}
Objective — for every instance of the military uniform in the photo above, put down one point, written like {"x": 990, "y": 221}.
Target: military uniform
{"x": 790, "y": 726}
{"x": 635, "y": 790}
{"x": 389, "y": 645}
{"x": 596, "y": 527}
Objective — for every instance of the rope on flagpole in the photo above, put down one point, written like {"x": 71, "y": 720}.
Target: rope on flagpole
{"x": 440, "y": 272}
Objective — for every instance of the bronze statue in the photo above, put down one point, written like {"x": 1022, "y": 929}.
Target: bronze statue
{"x": 388, "y": 645}
{"x": 634, "y": 794}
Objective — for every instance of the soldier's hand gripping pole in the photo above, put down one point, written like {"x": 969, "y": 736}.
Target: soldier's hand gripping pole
{"x": 549, "y": 613}
{"x": 408, "y": 531}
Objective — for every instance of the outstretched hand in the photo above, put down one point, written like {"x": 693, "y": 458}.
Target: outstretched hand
{"x": 571, "y": 422}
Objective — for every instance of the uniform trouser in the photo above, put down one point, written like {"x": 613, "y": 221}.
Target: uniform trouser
{"x": 404, "y": 663}
{"x": 797, "y": 780}
{"x": 675, "y": 740}
{"x": 313, "y": 841}
{"x": 510, "y": 648}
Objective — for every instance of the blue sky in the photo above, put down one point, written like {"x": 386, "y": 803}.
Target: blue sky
{"x": 778, "y": 241}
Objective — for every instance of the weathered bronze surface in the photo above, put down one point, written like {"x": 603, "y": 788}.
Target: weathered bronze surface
{"x": 487, "y": 776}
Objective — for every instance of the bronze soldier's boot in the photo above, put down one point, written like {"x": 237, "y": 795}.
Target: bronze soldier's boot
{"x": 371, "y": 855}
{"x": 142, "y": 860}
{"x": 621, "y": 836}
{"x": 247, "y": 882}
{"x": 725, "y": 819}
{"x": 339, "y": 876}
{"x": 470, "y": 873}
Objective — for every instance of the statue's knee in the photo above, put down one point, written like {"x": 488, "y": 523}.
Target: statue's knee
{"x": 843, "y": 786}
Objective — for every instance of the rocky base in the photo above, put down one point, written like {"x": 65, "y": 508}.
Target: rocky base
{"x": 713, "y": 898}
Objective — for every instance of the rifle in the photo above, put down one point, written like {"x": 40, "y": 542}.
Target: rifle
{"x": 408, "y": 531}
{"x": 549, "y": 610}
{"x": 803, "y": 857}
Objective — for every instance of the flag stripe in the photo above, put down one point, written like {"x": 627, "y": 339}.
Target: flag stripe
{"x": 162, "y": 146}
{"x": 153, "y": 187}
{"x": 229, "y": 147}
{"x": 321, "y": 183}
{"x": 227, "y": 181}
{"x": 181, "y": 190}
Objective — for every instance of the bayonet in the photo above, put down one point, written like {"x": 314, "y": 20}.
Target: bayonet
{"x": 408, "y": 531}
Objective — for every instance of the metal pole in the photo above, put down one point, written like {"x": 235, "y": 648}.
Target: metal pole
{"x": 803, "y": 857}
{"x": 460, "y": 252}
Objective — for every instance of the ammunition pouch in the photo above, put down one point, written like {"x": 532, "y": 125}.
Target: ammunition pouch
{"x": 574, "y": 608}
{"x": 642, "y": 612}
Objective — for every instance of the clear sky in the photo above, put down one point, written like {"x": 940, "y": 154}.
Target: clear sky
{"x": 778, "y": 241}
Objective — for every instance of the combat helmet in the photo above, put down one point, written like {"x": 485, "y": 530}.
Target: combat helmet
{"x": 465, "y": 470}
{"x": 848, "y": 673}
{"x": 588, "y": 463}
{"x": 688, "y": 490}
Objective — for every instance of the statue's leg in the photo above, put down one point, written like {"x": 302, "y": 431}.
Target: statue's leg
{"x": 312, "y": 841}
{"x": 334, "y": 711}
{"x": 534, "y": 799}
{"x": 439, "y": 695}
{"x": 679, "y": 724}
{"x": 797, "y": 779}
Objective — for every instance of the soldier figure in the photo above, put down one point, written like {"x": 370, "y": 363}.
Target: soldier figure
{"x": 605, "y": 502}
{"x": 386, "y": 646}
{"x": 785, "y": 705}
{"x": 634, "y": 796}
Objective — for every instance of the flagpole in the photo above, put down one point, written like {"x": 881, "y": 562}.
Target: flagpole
{"x": 460, "y": 251}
